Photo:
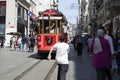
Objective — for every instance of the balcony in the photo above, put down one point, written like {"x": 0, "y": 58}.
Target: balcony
{"x": 114, "y": 5}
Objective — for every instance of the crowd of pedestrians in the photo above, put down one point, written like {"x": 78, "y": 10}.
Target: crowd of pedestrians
{"x": 104, "y": 49}
{"x": 23, "y": 43}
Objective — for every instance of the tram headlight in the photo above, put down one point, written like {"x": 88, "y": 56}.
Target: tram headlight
{"x": 49, "y": 40}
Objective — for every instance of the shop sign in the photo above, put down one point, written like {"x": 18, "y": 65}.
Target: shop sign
{"x": 30, "y": 14}
{"x": 12, "y": 27}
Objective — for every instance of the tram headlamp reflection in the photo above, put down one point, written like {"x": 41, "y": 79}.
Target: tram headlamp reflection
{"x": 49, "y": 40}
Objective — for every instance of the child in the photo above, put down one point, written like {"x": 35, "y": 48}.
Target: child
{"x": 114, "y": 65}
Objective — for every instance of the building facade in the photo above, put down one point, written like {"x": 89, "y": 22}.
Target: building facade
{"x": 16, "y": 18}
{"x": 2, "y": 16}
{"x": 20, "y": 16}
{"x": 82, "y": 15}
{"x": 105, "y": 13}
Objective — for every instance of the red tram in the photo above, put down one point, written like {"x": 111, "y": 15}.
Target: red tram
{"x": 50, "y": 27}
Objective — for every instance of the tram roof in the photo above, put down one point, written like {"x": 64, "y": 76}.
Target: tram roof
{"x": 51, "y": 17}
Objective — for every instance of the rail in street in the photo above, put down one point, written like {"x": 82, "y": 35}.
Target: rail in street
{"x": 34, "y": 67}
{"x": 80, "y": 68}
{"x": 26, "y": 71}
{"x": 42, "y": 70}
{"x": 16, "y": 65}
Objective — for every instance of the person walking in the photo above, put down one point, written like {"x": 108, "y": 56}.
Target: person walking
{"x": 62, "y": 50}
{"x": 11, "y": 42}
{"x": 19, "y": 42}
{"x": 2, "y": 38}
{"x": 109, "y": 38}
{"x": 24, "y": 43}
{"x": 90, "y": 39}
{"x": 76, "y": 42}
{"x": 117, "y": 50}
{"x": 79, "y": 42}
{"x": 102, "y": 56}
{"x": 114, "y": 65}
{"x": 32, "y": 43}
{"x": 13, "y": 47}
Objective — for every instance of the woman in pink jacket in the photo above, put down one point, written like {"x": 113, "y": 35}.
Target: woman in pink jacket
{"x": 101, "y": 56}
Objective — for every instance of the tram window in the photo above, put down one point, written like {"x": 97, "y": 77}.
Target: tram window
{"x": 59, "y": 26}
{"x": 40, "y": 27}
{"x": 49, "y": 26}
{"x": 52, "y": 27}
{"x": 58, "y": 29}
{"x": 46, "y": 24}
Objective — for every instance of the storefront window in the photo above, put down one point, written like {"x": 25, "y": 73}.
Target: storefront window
{"x": 19, "y": 11}
{"x": 2, "y": 29}
{"x": 25, "y": 15}
{"x": 22, "y": 12}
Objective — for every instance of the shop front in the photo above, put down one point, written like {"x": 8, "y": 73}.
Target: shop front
{"x": 22, "y": 26}
{"x": 2, "y": 17}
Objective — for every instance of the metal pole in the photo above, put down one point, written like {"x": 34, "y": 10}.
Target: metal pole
{"x": 79, "y": 12}
{"x": 57, "y": 4}
{"x": 50, "y": 4}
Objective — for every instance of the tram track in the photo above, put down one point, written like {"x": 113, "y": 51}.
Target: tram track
{"x": 26, "y": 71}
{"x": 47, "y": 76}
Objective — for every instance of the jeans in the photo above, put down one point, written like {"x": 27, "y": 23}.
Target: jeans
{"x": 62, "y": 70}
{"x": 24, "y": 47}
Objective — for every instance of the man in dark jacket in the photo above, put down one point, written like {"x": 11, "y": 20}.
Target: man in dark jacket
{"x": 24, "y": 43}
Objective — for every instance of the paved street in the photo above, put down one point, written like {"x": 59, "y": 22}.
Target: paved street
{"x": 13, "y": 63}
{"x": 80, "y": 68}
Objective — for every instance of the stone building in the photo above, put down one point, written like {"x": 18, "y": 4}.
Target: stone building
{"x": 105, "y": 12}
{"x": 14, "y": 17}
